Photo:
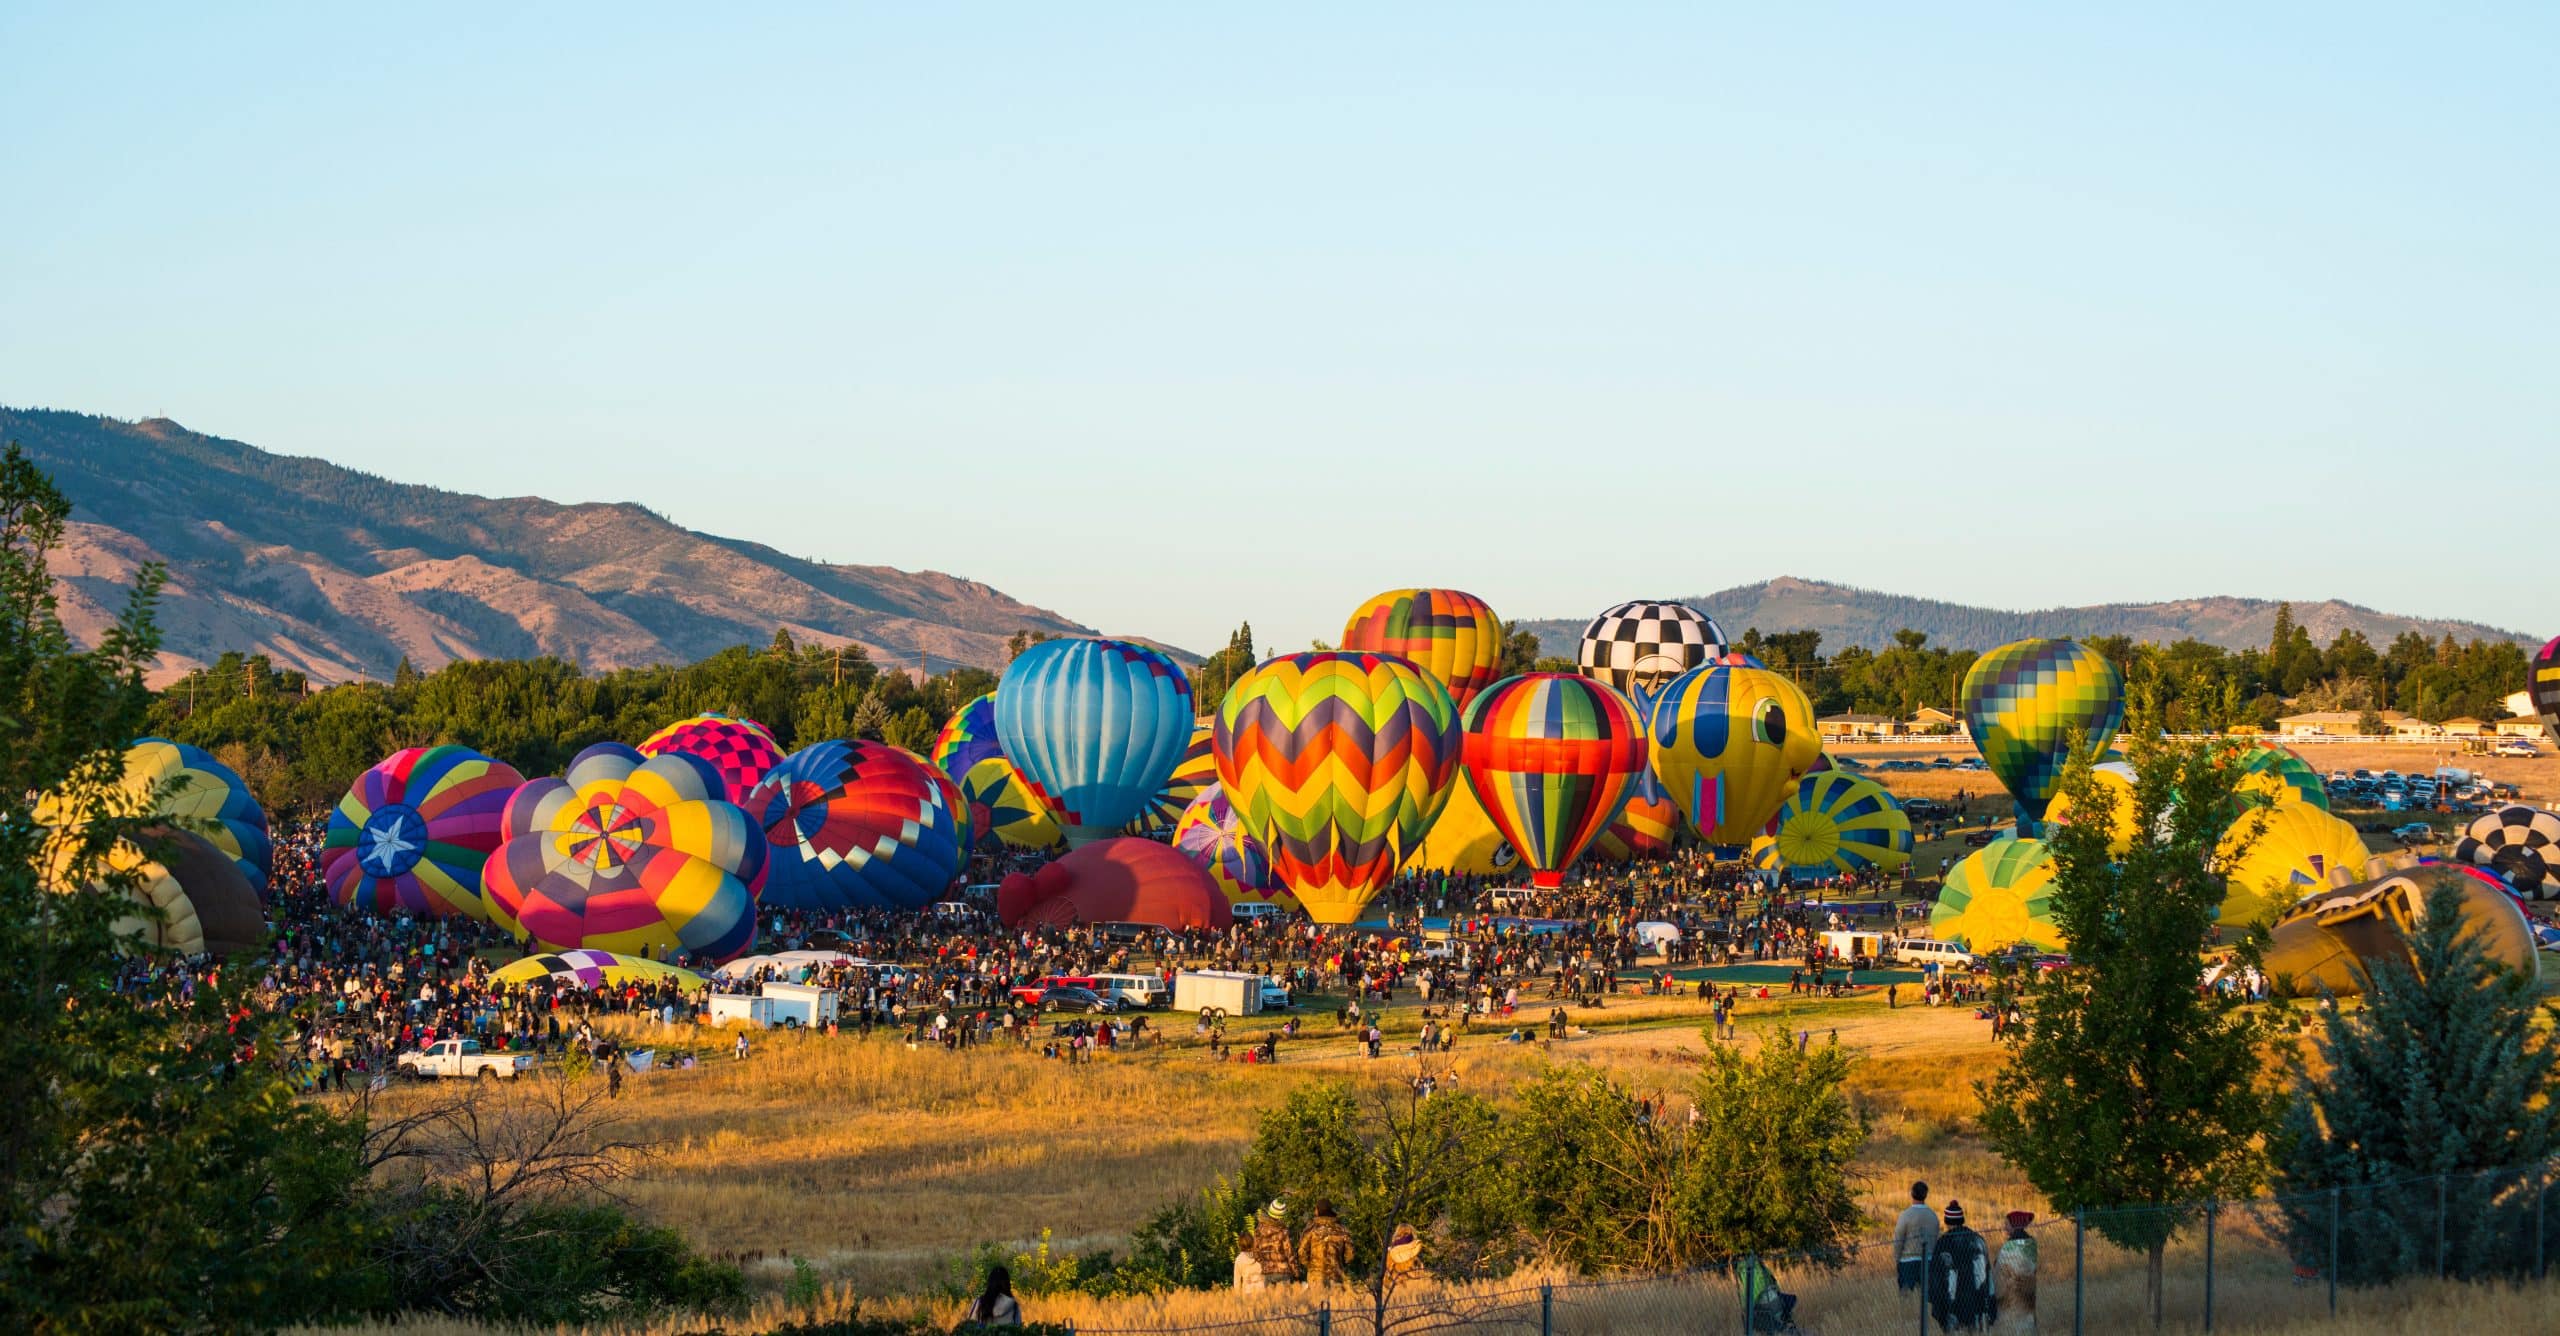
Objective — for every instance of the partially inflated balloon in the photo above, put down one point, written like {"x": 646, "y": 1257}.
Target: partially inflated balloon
{"x": 1212, "y": 834}
{"x": 1339, "y": 761}
{"x": 2332, "y": 940}
{"x": 2000, "y": 896}
{"x": 2115, "y": 780}
{"x": 1553, "y": 757}
{"x": 2271, "y": 775}
{"x": 2520, "y": 842}
{"x": 1836, "y": 822}
{"x": 1002, "y": 803}
{"x": 1451, "y": 635}
{"x": 1730, "y": 743}
{"x": 413, "y": 832}
{"x": 860, "y": 825}
{"x": 634, "y": 855}
{"x": 2542, "y": 687}
{"x": 741, "y": 750}
{"x": 1463, "y": 840}
{"x": 2289, "y": 857}
{"x": 1645, "y": 826}
{"x": 2027, "y": 702}
{"x": 203, "y": 796}
{"x": 1096, "y": 726}
{"x": 1195, "y": 772}
{"x": 595, "y": 969}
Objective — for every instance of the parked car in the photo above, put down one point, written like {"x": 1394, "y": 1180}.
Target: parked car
{"x": 1275, "y": 995}
{"x": 1981, "y": 838}
{"x": 2413, "y": 833}
{"x": 1921, "y": 951}
{"x": 463, "y": 1057}
{"x": 1077, "y": 999}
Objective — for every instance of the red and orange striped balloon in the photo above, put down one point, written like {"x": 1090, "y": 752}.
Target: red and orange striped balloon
{"x": 1553, "y": 757}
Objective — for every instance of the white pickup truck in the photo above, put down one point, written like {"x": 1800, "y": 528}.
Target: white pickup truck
{"x": 462, "y": 1057}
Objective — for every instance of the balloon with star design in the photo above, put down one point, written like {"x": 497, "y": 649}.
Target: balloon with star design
{"x": 413, "y": 832}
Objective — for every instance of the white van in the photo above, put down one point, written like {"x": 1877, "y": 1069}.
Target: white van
{"x": 1922, "y": 951}
{"x": 1133, "y": 990}
{"x": 1255, "y": 911}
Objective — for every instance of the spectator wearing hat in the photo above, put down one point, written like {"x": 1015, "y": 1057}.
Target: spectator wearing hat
{"x": 1915, "y": 1232}
{"x": 1272, "y": 1245}
{"x": 2014, "y": 1278}
{"x": 1960, "y": 1276}
{"x": 1326, "y": 1249}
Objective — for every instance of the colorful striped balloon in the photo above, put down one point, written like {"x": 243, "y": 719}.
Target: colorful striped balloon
{"x": 1339, "y": 761}
{"x": 1730, "y": 743}
{"x": 1197, "y": 770}
{"x": 630, "y": 854}
{"x": 1212, "y": 833}
{"x": 741, "y": 750}
{"x": 1836, "y": 821}
{"x": 1096, "y": 726}
{"x": 2026, "y": 701}
{"x": 1553, "y": 757}
{"x": 1646, "y": 827}
{"x": 414, "y": 832}
{"x": 1002, "y": 804}
{"x": 1451, "y": 635}
{"x": 204, "y": 797}
{"x": 857, "y": 825}
{"x": 2274, "y": 775}
{"x": 1999, "y": 896}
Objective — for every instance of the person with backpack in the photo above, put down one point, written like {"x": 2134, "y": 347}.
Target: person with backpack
{"x": 1960, "y": 1276}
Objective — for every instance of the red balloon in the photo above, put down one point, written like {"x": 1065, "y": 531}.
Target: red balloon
{"x": 1116, "y": 881}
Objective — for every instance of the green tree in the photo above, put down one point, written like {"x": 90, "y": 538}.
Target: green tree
{"x": 2448, "y": 1071}
{"x": 155, "y": 1172}
{"x": 1767, "y": 1168}
{"x": 1521, "y": 653}
{"x": 2132, "y": 1090}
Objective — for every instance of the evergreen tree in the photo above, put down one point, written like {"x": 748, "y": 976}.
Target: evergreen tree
{"x": 2448, "y": 1072}
{"x": 2132, "y": 1091}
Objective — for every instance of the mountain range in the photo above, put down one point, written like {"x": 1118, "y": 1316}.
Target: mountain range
{"x": 341, "y": 574}
{"x": 1850, "y": 616}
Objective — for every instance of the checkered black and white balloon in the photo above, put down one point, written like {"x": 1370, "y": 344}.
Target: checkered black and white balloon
{"x": 1638, "y": 646}
{"x": 2518, "y": 843}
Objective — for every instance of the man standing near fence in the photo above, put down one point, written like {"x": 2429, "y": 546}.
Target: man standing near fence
{"x": 1960, "y": 1276}
{"x": 1914, "y": 1234}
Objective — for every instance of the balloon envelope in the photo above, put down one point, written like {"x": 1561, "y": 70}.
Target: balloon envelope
{"x": 741, "y": 750}
{"x": 1463, "y": 839}
{"x": 1729, "y": 744}
{"x": 859, "y": 825}
{"x": 413, "y": 832}
{"x": 1195, "y": 772}
{"x": 1096, "y": 726}
{"x": 1340, "y": 761}
{"x": 1552, "y": 758}
{"x": 1636, "y": 647}
{"x": 630, "y": 854}
{"x": 595, "y": 969}
{"x": 1451, "y": 635}
{"x": 1836, "y": 822}
{"x": 2293, "y": 855}
{"x": 204, "y": 797}
{"x": 2542, "y": 687}
{"x": 2025, "y": 702}
{"x": 2519, "y": 843}
{"x": 1999, "y": 896}
{"x": 1124, "y": 880}
{"x": 1002, "y": 804}
{"x": 1213, "y": 834}
{"x": 2331, "y": 939}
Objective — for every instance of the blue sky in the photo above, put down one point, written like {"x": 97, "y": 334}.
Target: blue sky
{"x": 1166, "y": 317}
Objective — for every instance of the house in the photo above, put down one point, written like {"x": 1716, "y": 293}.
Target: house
{"x": 1932, "y": 720}
{"x": 2464, "y": 727}
{"x": 2410, "y": 726}
{"x": 1858, "y": 726}
{"x": 2342, "y": 723}
{"x": 2521, "y": 728}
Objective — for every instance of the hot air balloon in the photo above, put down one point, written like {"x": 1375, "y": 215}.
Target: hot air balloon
{"x": 1838, "y": 822}
{"x": 2331, "y": 939}
{"x": 741, "y": 750}
{"x": 860, "y": 825}
{"x": 630, "y": 854}
{"x": 2026, "y": 702}
{"x": 1002, "y": 803}
{"x": 204, "y": 797}
{"x": 595, "y": 969}
{"x": 2542, "y": 687}
{"x": 2272, "y": 775}
{"x": 964, "y": 821}
{"x": 1553, "y": 758}
{"x": 1637, "y": 647}
{"x": 1999, "y": 896}
{"x": 2520, "y": 843}
{"x": 1339, "y": 761}
{"x": 1451, "y": 635}
{"x": 2115, "y": 780}
{"x": 2293, "y": 854}
{"x": 1212, "y": 834}
{"x": 1116, "y": 881}
{"x": 1463, "y": 840}
{"x": 1645, "y": 827}
{"x": 1196, "y": 771}
{"x": 204, "y": 903}
{"x": 1730, "y": 743}
{"x": 1096, "y": 726}
{"x": 413, "y": 832}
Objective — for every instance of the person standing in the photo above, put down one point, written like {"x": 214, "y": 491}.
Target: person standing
{"x": 995, "y": 1306}
{"x": 1272, "y": 1246}
{"x": 2014, "y": 1278}
{"x": 1915, "y": 1233}
{"x": 1960, "y": 1276}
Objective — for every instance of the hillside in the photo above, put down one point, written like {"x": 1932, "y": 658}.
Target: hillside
{"x": 1850, "y": 616}
{"x": 340, "y": 574}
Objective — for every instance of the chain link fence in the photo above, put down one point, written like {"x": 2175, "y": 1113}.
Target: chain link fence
{"x": 2236, "y": 1266}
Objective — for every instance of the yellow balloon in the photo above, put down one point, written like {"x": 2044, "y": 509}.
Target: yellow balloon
{"x": 1464, "y": 840}
{"x": 2115, "y": 781}
{"x": 1730, "y": 743}
{"x": 2292, "y": 856}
